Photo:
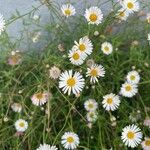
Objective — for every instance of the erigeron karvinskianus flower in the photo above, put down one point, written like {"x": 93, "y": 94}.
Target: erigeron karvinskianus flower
{"x": 16, "y": 107}
{"x": 148, "y": 17}
{"x": 46, "y": 147}
{"x": 71, "y": 82}
{"x": 146, "y": 144}
{"x": 70, "y": 140}
{"x": 21, "y": 125}
{"x": 54, "y": 72}
{"x": 131, "y": 136}
{"x": 147, "y": 122}
{"x": 40, "y": 98}
{"x": 122, "y": 14}
{"x": 2, "y": 24}
{"x": 107, "y": 48}
{"x": 68, "y": 10}
{"x": 133, "y": 77}
{"x": 130, "y": 6}
{"x": 94, "y": 15}
{"x": 90, "y": 105}
{"x": 94, "y": 72}
{"x": 14, "y": 58}
{"x": 76, "y": 57}
{"x": 111, "y": 102}
{"x": 91, "y": 116}
{"x": 84, "y": 45}
{"x": 128, "y": 90}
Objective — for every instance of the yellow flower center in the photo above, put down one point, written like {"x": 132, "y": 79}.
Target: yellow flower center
{"x": 39, "y": 96}
{"x": 147, "y": 142}
{"x": 94, "y": 73}
{"x": 76, "y": 56}
{"x": 68, "y": 12}
{"x": 70, "y": 139}
{"x": 71, "y": 82}
{"x": 82, "y": 47}
{"x": 106, "y": 48}
{"x": 130, "y": 5}
{"x": 93, "y": 17}
{"x": 121, "y": 14}
{"x": 130, "y": 135}
{"x": 90, "y": 105}
{"x": 21, "y": 124}
{"x": 128, "y": 88}
{"x": 109, "y": 100}
{"x": 132, "y": 77}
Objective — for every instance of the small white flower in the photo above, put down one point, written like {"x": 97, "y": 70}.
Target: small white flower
{"x": 95, "y": 71}
{"x": 147, "y": 122}
{"x": 70, "y": 140}
{"x": 21, "y": 125}
{"x": 2, "y": 24}
{"x": 148, "y": 37}
{"x": 68, "y": 10}
{"x": 122, "y": 14}
{"x": 107, "y": 48}
{"x": 16, "y": 107}
{"x": 146, "y": 144}
{"x": 93, "y": 15}
{"x": 130, "y": 5}
{"x": 128, "y": 89}
{"x": 40, "y": 98}
{"x": 111, "y": 102}
{"x": 91, "y": 105}
{"x": 54, "y": 72}
{"x": 46, "y": 147}
{"x": 133, "y": 77}
{"x": 70, "y": 82}
{"x": 96, "y": 33}
{"x": 76, "y": 57}
{"x": 84, "y": 45}
{"x": 90, "y": 62}
{"x": 131, "y": 136}
{"x": 148, "y": 17}
{"x": 91, "y": 116}
{"x": 36, "y": 17}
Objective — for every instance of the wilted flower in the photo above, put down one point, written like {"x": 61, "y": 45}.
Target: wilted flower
{"x": 54, "y": 72}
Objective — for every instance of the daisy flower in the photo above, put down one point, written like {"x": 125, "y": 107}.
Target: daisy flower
{"x": 111, "y": 102}
{"x": 16, "y": 107}
{"x": 122, "y": 14}
{"x": 15, "y": 58}
{"x": 91, "y": 116}
{"x": 40, "y": 98}
{"x": 93, "y": 15}
{"x": 84, "y": 45}
{"x": 76, "y": 57}
{"x": 107, "y": 48}
{"x": 146, "y": 144}
{"x": 130, "y": 5}
{"x": 68, "y": 10}
{"x": 46, "y": 147}
{"x": 148, "y": 37}
{"x": 128, "y": 89}
{"x": 54, "y": 72}
{"x": 95, "y": 71}
{"x": 148, "y": 17}
{"x": 91, "y": 105}
{"x": 70, "y": 82}
{"x": 2, "y": 24}
{"x": 70, "y": 140}
{"x": 21, "y": 125}
{"x": 131, "y": 136}
{"x": 133, "y": 77}
{"x": 147, "y": 122}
